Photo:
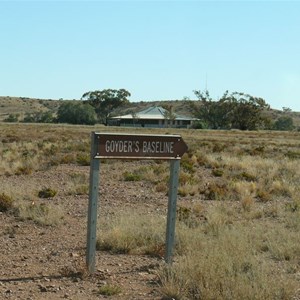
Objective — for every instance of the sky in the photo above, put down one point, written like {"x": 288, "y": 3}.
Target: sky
{"x": 157, "y": 50}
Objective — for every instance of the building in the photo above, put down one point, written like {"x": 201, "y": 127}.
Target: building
{"x": 154, "y": 117}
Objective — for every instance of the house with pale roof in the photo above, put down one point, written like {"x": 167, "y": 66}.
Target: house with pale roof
{"x": 154, "y": 117}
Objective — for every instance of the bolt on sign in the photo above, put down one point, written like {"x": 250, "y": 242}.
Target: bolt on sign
{"x": 133, "y": 146}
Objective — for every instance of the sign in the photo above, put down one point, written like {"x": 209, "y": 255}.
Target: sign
{"x": 135, "y": 146}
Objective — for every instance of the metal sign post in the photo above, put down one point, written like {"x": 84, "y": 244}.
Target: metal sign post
{"x": 171, "y": 217}
{"x": 128, "y": 146}
{"x": 92, "y": 208}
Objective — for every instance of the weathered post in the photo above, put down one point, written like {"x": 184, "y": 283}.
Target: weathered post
{"x": 171, "y": 217}
{"x": 93, "y": 207}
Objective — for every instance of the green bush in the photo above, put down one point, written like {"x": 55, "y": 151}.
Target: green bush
{"x": 284, "y": 123}
{"x": 12, "y": 118}
{"x": 76, "y": 113}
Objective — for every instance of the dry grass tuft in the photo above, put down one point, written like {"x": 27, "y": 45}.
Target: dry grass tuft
{"x": 130, "y": 232}
{"x": 6, "y": 202}
{"x": 41, "y": 213}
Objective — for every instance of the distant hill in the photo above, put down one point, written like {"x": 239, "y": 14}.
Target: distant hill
{"x": 22, "y": 105}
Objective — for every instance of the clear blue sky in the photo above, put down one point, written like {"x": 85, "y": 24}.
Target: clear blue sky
{"x": 157, "y": 50}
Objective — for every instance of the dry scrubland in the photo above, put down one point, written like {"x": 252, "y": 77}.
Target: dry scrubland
{"x": 238, "y": 216}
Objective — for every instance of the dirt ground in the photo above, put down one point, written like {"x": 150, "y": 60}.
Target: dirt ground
{"x": 48, "y": 262}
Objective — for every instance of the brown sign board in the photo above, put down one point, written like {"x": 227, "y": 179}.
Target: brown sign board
{"x": 138, "y": 146}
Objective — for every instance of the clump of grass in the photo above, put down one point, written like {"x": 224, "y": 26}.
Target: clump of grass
{"x": 218, "y": 172}
{"x": 293, "y": 154}
{"x": 26, "y": 169}
{"x": 293, "y": 217}
{"x": 78, "y": 184}
{"x": 187, "y": 189}
{"x": 41, "y": 213}
{"x": 223, "y": 267}
{"x": 83, "y": 159}
{"x": 202, "y": 159}
{"x": 47, "y": 193}
{"x": 133, "y": 233}
{"x": 215, "y": 191}
{"x": 155, "y": 174}
{"x": 183, "y": 213}
{"x": 82, "y": 189}
{"x": 258, "y": 151}
{"x": 161, "y": 187}
{"x": 185, "y": 177}
{"x": 247, "y": 203}
{"x": 51, "y": 149}
{"x": 243, "y": 189}
{"x": 245, "y": 176}
{"x": 293, "y": 206}
{"x": 282, "y": 245}
{"x": 109, "y": 290}
{"x": 187, "y": 164}
{"x": 263, "y": 195}
{"x": 6, "y": 202}
{"x": 76, "y": 270}
{"x": 279, "y": 188}
{"x": 190, "y": 216}
{"x": 217, "y": 219}
{"x": 68, "y": 159}
{"x": 131, "y": 176}
{"x": 218, "y": 147}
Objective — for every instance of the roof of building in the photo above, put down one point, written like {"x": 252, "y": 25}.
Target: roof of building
{"x": 153, "y": 113}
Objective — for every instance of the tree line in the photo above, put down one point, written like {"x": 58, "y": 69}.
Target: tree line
{"x": 236, "y": 111}
{"x": 232, "y": 111}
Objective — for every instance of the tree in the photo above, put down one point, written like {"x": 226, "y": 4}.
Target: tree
{"x": 135, "y": 118}
{"x": 212, "y": 114}
{"x": 169, "y": 114}
{"x": 76, "y": 113}
{"x": 284, "y": 123}
{"x": 286, "y": 109}
{"x": 105, "y": 101}
{"x": 235, "y": 110}
{"x": 246, "y": 111}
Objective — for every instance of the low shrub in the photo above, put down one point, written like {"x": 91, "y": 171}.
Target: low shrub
{"x": 83, "y": 159}
{"x": 215, "y": 191}
{"x": 245, "y": 176}
{"x": 131, "y": 176}
{"x": 24, "y": 170}
{"x": 47, "y": 193}
{"x": 263, "y": 195}
{"x": 41, "y": 213}
{"x": 218, "y": 172}
{"x": 134, "y": 233}
{"x": 6, "y": 202}
{"x": 109, "y": 290}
